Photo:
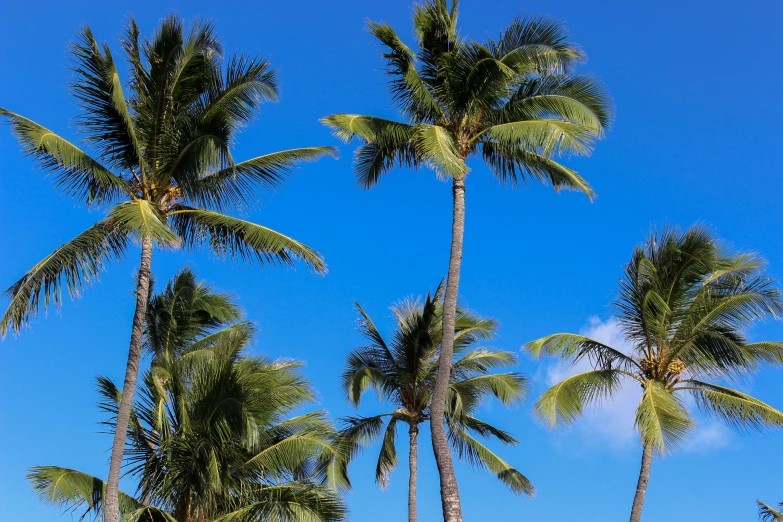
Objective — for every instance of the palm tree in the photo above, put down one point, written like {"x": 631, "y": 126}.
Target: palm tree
{"x": 683, "y": 305}
{"x": 403, "y": 372}
{"x": 769, "y": 514}
{"x": 514, "y": 101}
{"x": 212, "y": 433}
{"x": 164, "y": 171}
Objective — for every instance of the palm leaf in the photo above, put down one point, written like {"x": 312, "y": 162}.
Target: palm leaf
{"x": 768, "y": 513}
{"x": 290, "y": 502}
{"x": 438, "y": 149}
{"x": 660, "y": 418}
{"x": 565, "y": 402}
{"x": 478, "y": 455}
{"x": 234, "y": 186}
{"x": 513, "y": 164}
{"x": 239, "y": 239}
{"x": 75, "y": 173}
{"x": 75, "y": 264}
{"x": 737, "y": 409}
{"x": 106, "y": 118}
{"x": 72, "y": 490}
{"x": 576, "y": 347}
{"x": 142, "y": 219}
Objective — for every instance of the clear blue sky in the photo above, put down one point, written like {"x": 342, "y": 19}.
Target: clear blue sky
{"x": 697, "y": 138}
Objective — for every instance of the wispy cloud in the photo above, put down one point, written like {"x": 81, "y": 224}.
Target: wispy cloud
{"x": 611, "y": 423}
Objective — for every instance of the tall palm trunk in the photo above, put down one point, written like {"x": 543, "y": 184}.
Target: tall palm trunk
{"x": 112, "y": 506}
{"x": 641, "y": 486}
{"x": 413, "y": 432}
{"x": 449, "y": 491}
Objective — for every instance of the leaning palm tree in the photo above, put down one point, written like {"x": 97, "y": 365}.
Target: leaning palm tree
{"x": 212, "y": 434}
{"x": 515, "y": 102}
{"x": 683, "y": 305}
{"x": 403, "y": 372}
{"x": 161, "y": 165}
{"x": 768, "y": 513}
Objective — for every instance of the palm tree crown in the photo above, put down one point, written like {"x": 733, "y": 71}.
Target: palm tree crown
{"x": 403, "y": 370}
{"x": 683, "y": 304}
{"x": 162, "y": 161}
{"x": 514, "y": 101}
{"x": 213, "y": 434}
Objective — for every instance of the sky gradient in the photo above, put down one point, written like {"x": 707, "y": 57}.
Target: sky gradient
{"x": 696, "y": 86}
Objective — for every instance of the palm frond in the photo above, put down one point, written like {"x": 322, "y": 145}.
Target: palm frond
{"x": 543, "y": 136}
{"x": 408, "y": 89}
{"x": 235, "y": 238}
{"x": 737, "y": 409}
{"x": 290, "y": 502}
{"x": 470, "y": 449}
{"x": 235, "y": 186}
{"x": 437, "y": 148}
{"x": 536, "y": 44}
{"x": 73, "y": 490}
{"x": 661, "y": 419}
{"x": 768, "y": 513}
{"x": 74, "y": 265}
{"x": 572, "y": 347}
{"x": 75, "y": 173}
{"x": 387, "y": 458}
{"x": 106, "y": 119}
{"x": 513, "y": 164}
{"x": 565, "y": 401}
{"x": 140, "y": 218}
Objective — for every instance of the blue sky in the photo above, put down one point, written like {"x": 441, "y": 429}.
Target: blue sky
{"x": 696, "y": 86}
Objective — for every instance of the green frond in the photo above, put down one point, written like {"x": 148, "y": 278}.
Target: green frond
{"x": 140, "y": 218}
{"x": 768, "y": 513}
{"x": 74, "y": 265}
{"x": 408, "y": 89}
{"x": 229, "y": 237}
{"x": 573, "y": 347}
{"x": 579, "y": 99}
{"x": 544, "y": 136}
{"x": 470, "y": 449}
{"x": 765, "y": 352}
{"x": 149, "y": 514}
{"x": 106, "y": 119}
{"x": 73, "y": 490}
{"x": 75, "y": 173}
{"x": 537, "y": 44}
{"x": 514, "y": 164}
{"x": 387, "y": 458}
{"x": 661, "y": 419}
{"x": 437, "y": 148}
{"x": 308, "y": 440}
{"x": 482, "y": 360}
{"x": 234, "y": 187}
{"x": 475, "y": 425}
{"x": 233, "y": 99}
{"x": 369, "y": 128}
{"x": 737, "y": 409}
{"x": 291, "y": 502}
{"x": 566, "y": 401}
{"x": 506, "y": 387}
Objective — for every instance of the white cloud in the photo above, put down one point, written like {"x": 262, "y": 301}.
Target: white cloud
{"x": 611, "y": 423}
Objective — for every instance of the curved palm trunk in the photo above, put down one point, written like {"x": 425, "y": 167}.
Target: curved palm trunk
{"x": 413, "y": 432}
{"x": 641, "y": 486}
{"x": 449, "y": 491}
{"x": 112, "y": 506}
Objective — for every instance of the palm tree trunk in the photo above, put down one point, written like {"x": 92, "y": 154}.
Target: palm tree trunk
{"x": 112, "y": 506}
{"x": 641, "y": 486}
{"x": 413, "y": 432}
{"x": 449, "y": 491}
